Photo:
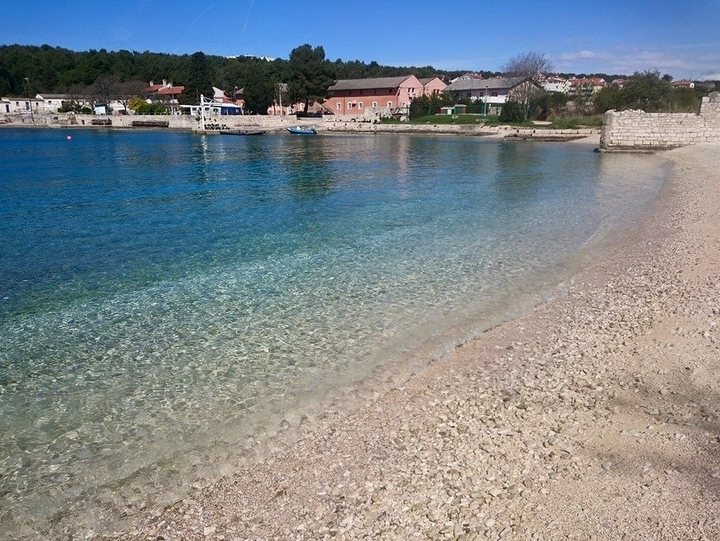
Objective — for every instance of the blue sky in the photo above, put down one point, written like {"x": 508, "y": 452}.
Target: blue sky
{"x": 677, "y": 37}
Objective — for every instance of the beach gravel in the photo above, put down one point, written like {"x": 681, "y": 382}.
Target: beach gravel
{"x": 594, "y": 416}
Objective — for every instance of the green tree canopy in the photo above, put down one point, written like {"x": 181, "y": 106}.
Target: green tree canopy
{"x": 259, "y": 87}
{"x": 308, "y": 75}
{"x": 512, "y": 111}
{"x": 646, "y": 91}
{"x": 198, "y": 81}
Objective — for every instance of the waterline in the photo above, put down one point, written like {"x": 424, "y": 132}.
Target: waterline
{"x": 170, "y": 295}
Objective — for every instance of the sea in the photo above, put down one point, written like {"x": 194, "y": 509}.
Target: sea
{"x": 172, "y": 302}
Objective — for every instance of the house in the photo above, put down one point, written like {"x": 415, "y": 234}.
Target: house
{"x": 164, "y": 93}
{"x": 552, "y": 83}
{"x": 219, "y": 105}
{"x": 432, "y": 86}
{"x": 12, "y": 105}
{"x": 683, "y": 83}
{"x": 51, "y": 103}
{"x": 282, "y": 105}
{"x": 466, "y": 77}
{"x": 586, "y": 87}
{"x": 618, "y": 83}
{"x": 385, "y": 95}
{"x": 494, "y": 91}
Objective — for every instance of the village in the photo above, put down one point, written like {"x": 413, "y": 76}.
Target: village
{"x": 367, "y": 99}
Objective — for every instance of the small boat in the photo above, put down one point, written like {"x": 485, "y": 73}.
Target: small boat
{"x": 301, "y": 130}
{"x": 242, "y": 132}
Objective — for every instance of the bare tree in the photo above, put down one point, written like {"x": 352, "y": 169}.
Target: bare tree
{"x": 529, "y": 65}
{"x": 105, "y": 89}
{"x": 129, "y": 90}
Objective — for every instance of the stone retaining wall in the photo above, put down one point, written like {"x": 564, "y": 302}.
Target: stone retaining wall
{"x": 327, "y": 124}
{"x": 637, "y": 130}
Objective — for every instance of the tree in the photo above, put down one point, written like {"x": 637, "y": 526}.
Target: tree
{"x": 686, "y": 100}
{"x": 259, "y": 87}
{"x": 309, "y": 76}
{"x": 512, "y": 111}
{"x": 428, "y": 105}
{"x": 135, "y": 103}
{"x": 548, "y": 105}
{"x": 646, "y": 91}
{"x": 607, "y": 98}
{"x": 198, "y": 80}
{"x": 105, "y": 89}
{"x": 527, "y": 66}
{"x": 130, "y": 90}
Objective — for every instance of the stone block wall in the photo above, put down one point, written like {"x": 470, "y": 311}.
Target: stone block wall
{"x": 637, "y": 130}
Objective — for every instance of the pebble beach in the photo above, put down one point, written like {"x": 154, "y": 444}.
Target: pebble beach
{"x": 593, "y": 416}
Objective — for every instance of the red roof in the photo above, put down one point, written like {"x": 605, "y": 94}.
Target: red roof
{"x": 171, "y": 90}
{"x": 595, "y": 81}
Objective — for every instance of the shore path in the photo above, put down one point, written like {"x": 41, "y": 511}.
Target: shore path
{"x": 595, "y": 416}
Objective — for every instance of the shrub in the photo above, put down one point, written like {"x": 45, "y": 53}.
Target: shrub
{"x": 145, "y": 108}
{"x": 547, "y": 105}
{"x": 512, "y": 111}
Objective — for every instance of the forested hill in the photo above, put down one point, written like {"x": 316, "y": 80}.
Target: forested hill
{"x": 54, "y": 69}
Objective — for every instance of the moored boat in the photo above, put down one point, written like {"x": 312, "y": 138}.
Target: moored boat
{"x": 302, "y": 130}
{"x": 242, "y": 132}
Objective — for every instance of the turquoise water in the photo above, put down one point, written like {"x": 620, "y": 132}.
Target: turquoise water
{"x": 166, "y": 298}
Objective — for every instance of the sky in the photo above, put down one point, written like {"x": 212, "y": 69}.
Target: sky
{"x": 680, "y": 37}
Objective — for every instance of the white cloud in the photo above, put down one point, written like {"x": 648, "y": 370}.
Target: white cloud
{"x": 690, "y": 60}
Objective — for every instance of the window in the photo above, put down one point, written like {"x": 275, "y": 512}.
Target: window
{"x": 493, "y": 94}
{"x": 389, "y": 105}
{"x": 374, "y": 104}
{"x": 360, "y": 105}
{"x": 338, "y": 106}
{"x": 349, "y": 106}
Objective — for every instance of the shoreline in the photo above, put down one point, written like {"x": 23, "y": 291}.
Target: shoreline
{"x": 570, "y": 420}
{"x": 527, "y": 428}
{"x": 330, "y": 127}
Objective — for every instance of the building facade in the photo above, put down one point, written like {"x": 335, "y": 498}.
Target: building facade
{"x": 495, "y": 91}
{"x": 15, "y": 105}
{"x": 381, "y": 95}
{"x": 586, "y": 88}
{"x": 433, "y": 86}
{"x": 555, "y": 84}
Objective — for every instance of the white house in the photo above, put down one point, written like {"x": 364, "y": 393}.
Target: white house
{"x": 555, "y": 84}
{"x": 12, "y": 105}
{"x": 494, "y": 91}
{"x": 683, "y": 83}
{"x": 51, "y": 103}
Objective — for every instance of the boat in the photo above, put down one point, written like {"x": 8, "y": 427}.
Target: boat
{"x": 302, "y": 130}
{"x": 242, "y": 132}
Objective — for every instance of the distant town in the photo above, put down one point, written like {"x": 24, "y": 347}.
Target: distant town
{"x": 309, "y": 84}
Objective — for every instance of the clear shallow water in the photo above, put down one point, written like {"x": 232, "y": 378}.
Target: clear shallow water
{"x": 164, "y": 295}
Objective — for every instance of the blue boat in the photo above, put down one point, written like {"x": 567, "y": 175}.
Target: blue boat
{"x": 300, "y": 130}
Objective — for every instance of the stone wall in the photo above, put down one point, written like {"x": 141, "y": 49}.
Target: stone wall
{"x": 177, "y": 122}
{"x": 636, "y": 130}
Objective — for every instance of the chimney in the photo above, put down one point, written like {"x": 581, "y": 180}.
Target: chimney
{"x": 164, "y": 83}
{"x": 151, "y": 83}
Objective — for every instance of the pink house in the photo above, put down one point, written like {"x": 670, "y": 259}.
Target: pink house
{"x": 382, "y": 94}
{"x": 433, "y": 85}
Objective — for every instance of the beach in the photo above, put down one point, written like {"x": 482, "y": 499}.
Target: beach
{"x": 593, "y": 416}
